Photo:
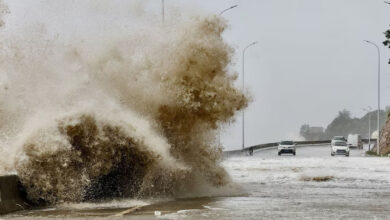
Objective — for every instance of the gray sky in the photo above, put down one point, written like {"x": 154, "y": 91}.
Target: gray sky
{"x": 310, "y": 62}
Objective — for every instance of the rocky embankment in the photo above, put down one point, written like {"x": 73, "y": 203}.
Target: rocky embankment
{"x": 385, "y": 139}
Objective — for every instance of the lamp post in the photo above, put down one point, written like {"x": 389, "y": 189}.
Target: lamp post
{"x": 243, "y": 88}
{"x": 231, "y": 7}
{"x": 219, "y": 131}
{"x": 163, "y": 10}
{"x": 379, "y": 93}
{"x": 369, "y": 126}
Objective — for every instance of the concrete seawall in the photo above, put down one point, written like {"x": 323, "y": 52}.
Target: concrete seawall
{"x": 11, "y": 199}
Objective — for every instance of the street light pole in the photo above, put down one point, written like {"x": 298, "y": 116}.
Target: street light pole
{"x": 231, "y": 7}
{"x": 163, "y": 10}
{"x": 243, "y": 88}
{"x": 379, "y": 93}
{"x": 219, "y": 131}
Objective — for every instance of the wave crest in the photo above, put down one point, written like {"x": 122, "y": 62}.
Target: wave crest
{"x": 165, "y": 93}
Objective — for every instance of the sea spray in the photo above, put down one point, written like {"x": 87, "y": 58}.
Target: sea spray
{"x": 119, "y": 115}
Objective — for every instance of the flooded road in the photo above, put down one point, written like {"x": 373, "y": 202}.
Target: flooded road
{"x": 311, "y": 185}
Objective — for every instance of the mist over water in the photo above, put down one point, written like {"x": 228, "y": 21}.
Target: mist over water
{"x": 132, "y": 115}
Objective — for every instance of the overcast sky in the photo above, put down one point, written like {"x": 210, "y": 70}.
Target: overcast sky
{"x": 310, "y": 63}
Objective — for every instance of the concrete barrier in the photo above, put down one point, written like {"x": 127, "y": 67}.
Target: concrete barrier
{"x": 248, "y": 151}
{"x": 11, "y": 199}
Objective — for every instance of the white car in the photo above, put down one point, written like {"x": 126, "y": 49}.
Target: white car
{"x": 286, "y": 147}
{"x": 340, "y": 148}
{"x": 337, "y": 138}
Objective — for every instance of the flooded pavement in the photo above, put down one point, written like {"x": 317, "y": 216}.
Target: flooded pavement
{"x": 312, "y": 185}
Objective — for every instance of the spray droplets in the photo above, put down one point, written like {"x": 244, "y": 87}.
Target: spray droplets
{"x": 122, "y": 116}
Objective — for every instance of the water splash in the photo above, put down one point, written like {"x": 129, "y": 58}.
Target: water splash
{"x": 119, "y": 115}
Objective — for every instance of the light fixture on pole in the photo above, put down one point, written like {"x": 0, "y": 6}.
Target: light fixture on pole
{"x": 243, "y": 89}
{"x": 379, "y": 94}
{"x": 231, "y": 7}
{"x": 219, "y": 130}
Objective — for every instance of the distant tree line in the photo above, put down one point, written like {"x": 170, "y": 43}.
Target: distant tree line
{"x": 343, "y": 125}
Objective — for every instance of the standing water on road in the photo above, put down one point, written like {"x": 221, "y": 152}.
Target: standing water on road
{"x": 312, "y": 185}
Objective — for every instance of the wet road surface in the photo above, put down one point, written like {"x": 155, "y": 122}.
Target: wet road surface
{"x": 311, "y": 185}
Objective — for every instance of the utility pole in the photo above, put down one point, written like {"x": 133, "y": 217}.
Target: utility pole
{"x": 379, "y": 94}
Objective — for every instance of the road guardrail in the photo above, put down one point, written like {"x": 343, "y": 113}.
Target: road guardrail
{"x": 249, "y": 150}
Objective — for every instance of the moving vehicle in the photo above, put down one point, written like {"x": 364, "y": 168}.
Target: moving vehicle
{"x": 338, "y": 138}
{"x": 287, "y": 147}
{"x": 355, "y": 140}
{"x": 340, "y": 148}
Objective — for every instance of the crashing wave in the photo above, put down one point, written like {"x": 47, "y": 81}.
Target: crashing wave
{"x": 155, "y": 101}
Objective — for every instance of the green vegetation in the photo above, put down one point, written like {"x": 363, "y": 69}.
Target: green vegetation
{"x": 387, "y": 42}
{"x": 371, "y": 153}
